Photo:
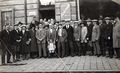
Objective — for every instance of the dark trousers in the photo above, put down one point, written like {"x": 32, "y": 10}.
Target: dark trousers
{"x": 61, "y": 48}
{"x": 3, "y": 51}
{"x": 69, "y": 48}
{"x": 110, "y": 48}
{"x": 83, "y": 48}
{"x": 117, "y": 50}
{"x": 8, "y": 56}
{"x": 77, "y": 47}
{"x": 103, "y": 47}
{"x": 42, "y": 49}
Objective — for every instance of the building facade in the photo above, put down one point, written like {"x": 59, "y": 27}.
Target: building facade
{"x": 14, "y": 11}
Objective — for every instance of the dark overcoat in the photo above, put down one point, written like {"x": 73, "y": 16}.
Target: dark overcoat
{"x": 25, "y": 48}
{"x": 33, "y": 43}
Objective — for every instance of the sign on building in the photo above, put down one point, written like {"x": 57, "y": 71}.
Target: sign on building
{"x": 65, "y": 10}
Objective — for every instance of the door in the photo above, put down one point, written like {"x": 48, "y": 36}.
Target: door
{"x": 6, "y": 18}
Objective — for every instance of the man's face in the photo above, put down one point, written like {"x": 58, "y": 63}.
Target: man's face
{"x": 16, "y": 27}
{"x": 7, "y": 27}
{"x": 94, "y": 23}
{"x": 76, "y": 24}
{"x": 60, "y": 26}
{"x": 40, "y": 25}
{"x": 107, "y": 21}
{"x": 88, "y": 23}
{"x": 23, "y": 28}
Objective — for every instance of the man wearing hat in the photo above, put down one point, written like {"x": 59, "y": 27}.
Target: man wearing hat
{"x": 25, "y": 42}
{"x": 77, "y": 34}
{"x": 70, "y": 39}
{"x": 15, "y": 42}
{"x": 95, "y": 38}
{"x": 61, "y": 36}
{"x": 108, "y": 36}
{"x": 89, "y": 34}
{"x": 5, "y": 37}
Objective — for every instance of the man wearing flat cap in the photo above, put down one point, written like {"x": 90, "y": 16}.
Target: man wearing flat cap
{"x": 108, "y": 36}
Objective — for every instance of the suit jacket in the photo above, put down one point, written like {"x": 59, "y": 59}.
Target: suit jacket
{"x": 51, "y": 35}
{"x": 5, "y": 36}
{"x": 108, "y": 31}
{"x": 63, "y": 37}
{"x": 89, "y": 34}
{"x": 25, "y": 37}
{"x": 70, "y": 32}
{"x": 95, "y": 33}
{"x": 77, "y": 33}
{"x": 40, "y": 35}
{"x": 102, "y": 30}
{"x": 16, "y": 35}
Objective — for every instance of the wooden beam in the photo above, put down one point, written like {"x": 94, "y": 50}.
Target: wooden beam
{"x": 25, "y": 9}
{"x": 78, "y": 9}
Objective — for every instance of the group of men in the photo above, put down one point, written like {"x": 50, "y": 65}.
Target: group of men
{"x": 69, "y": 38}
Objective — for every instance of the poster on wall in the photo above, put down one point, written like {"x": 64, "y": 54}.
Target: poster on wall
{"x": 65, "y": 10}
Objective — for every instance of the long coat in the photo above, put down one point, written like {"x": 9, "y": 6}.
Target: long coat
{"x": 95, "y": 33}
{"x": 116, "y": 35}
{"x": 89, "y": 34}
{"x": 70, "y": 32}
{"x": 33, "y": 43}
{"x": 77, "y": 33}
{"x": 25, "y": 48}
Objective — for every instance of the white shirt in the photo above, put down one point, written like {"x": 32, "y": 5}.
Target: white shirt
{"x": 60, "y": 32}
{"x": 51, "y": 30}
{"x": 23, "y": 31}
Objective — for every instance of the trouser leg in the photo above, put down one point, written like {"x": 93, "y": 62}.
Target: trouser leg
{"x": 44, "y": 50}
{"x": 71, "y": 48}
{"x": 117, "y": 50}
{"x": 8, "y": 56}
{"x": 59, "y": 51}
{"x": 97, "y": 48}
{"x": 63, "y": 49}
{"x": 3, "y": 56}
{"x": 40, "y": 50}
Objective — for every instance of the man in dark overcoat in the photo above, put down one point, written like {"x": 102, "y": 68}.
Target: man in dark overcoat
{"x": 25, "y": 43}
{"x": 70, "y": 39}
{"x": 5, "y": 37}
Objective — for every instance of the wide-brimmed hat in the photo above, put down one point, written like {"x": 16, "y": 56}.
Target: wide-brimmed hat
{"x": 88, "y": 20}
{"x": 107, "y": 18}
{"x": 95, "y": 20}
{"x": 23, "y": 26}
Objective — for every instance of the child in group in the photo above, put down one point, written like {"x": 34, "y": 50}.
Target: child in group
{"x": 51, "y": 48}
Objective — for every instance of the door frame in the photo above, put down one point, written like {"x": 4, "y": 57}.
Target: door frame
{"x": 13, "y": 17}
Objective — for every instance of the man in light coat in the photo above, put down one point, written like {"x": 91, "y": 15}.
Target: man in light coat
{"x": 95, "y": 38}
{"x": 116, "y": 37}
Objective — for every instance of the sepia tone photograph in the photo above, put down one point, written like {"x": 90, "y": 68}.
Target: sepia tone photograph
{"x": 59, "y": 36}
